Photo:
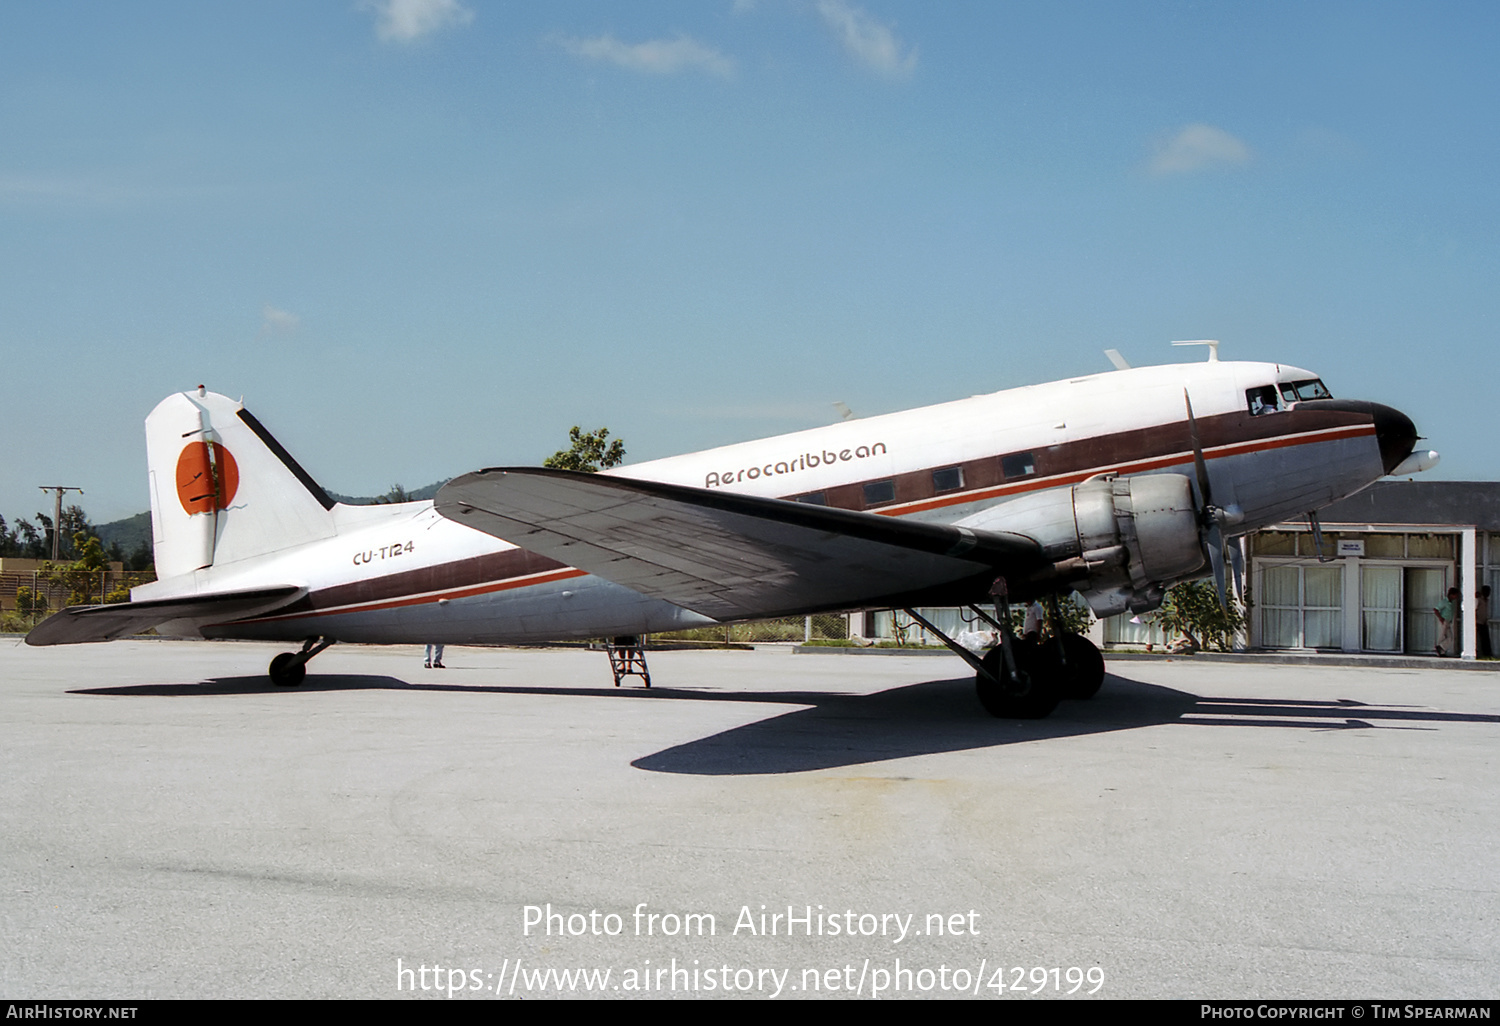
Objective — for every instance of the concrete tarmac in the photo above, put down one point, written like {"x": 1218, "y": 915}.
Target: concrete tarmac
{"x": 755, "y": 825}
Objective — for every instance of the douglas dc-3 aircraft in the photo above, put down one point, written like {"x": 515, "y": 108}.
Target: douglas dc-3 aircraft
{"x": 1115, "y": 485}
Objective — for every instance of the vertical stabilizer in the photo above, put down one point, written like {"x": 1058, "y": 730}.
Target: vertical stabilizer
{"x": 223, "y": 489}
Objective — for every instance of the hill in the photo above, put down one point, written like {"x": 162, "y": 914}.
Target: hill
{"x": 132, "y": 532}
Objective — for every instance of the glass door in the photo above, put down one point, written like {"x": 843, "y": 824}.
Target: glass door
{"x": 1380, "y": 608}
{"x": 1424, "y": 593}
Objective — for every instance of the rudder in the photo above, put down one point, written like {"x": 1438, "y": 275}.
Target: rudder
{"x": 222, "y": 488}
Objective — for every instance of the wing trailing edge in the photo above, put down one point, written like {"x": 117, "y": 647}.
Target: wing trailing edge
{"x": 79, "y": 624}
{"x": 725, "y": 555}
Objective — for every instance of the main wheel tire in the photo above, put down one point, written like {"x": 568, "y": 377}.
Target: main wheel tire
{"x": 287, "y": 670}
{"x": 1084, "y": 672}
{"x": 1030, "y": 694}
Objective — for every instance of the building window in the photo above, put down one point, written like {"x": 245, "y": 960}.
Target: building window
{"x": 813, "y": 498}
{"x": 1129, "y": 629}
{"x": 1307, "y": 545}
{"x": 1274, "y": 543}
{"x": 1301, "y": 607}
{"x": 1429, "y": 546}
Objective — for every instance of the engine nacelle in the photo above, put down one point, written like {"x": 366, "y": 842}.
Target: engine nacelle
{"x": 1119, "y": 541}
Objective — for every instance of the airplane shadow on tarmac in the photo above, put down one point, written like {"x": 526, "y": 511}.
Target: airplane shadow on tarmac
{"x": 834, "y": 730}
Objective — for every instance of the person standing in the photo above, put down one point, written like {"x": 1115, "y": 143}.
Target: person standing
{"x": 1447, "y": 614}
{"x": 434, "y": 657}
{"x": 1482, "y": 623}
{"x": 1032, "y": 631}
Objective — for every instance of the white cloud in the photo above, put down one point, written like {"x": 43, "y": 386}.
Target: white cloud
{"x": 1198, "y": 148}
{"x": 75, "y": 189}
{"x": 655, "y": 56}
{"x": 872, "y": 43}
{"x": 277, "y": 322}
{"x": 402, "y": 21}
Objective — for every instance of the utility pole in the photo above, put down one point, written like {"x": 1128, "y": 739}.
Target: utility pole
{"x": 57, "y": 515}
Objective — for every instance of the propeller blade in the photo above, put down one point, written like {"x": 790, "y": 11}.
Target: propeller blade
{"x": 1205, "y": 496}
{"x": 1213, "y": 542}
{"x": 1237, "y": 564}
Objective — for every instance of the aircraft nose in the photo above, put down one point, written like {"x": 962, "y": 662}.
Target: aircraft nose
{"x": 1395, "y": 432}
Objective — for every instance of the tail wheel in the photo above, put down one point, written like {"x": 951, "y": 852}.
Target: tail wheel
{"x": 1030, "y": 693}
{"x": 287, "y": 670}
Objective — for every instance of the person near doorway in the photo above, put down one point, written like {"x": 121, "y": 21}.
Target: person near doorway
{"x": 1447, "y": 614}
{"x": 1482, "y": 623}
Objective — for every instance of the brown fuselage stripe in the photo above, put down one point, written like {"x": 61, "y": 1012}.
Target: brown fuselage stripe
{"x": 983, "y": 479}
{"x": 1033, "y": 483}
{"x": 429, "y": 597}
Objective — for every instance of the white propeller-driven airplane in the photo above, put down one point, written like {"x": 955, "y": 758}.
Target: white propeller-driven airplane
{"x": 1115, "y": 486}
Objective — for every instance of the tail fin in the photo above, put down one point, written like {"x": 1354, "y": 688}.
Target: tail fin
{"x": 222, "y": 489}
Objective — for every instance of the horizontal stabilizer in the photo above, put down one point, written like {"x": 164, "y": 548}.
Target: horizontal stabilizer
{"x": 78, "y": 624}
{"x": 724, "y": 555}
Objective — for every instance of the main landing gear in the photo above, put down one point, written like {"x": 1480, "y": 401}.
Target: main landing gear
{"x": 1025, "y": 679}
{"x": 288, "y": 669}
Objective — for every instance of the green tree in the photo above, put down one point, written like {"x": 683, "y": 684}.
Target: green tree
{"x": 1071, "y": 610}
{"x": 590, "y": 452}
{"x": 30, "y": 603}
{"x": 74, "y": 524}
{"x": 85, "y": 575}
{"x": 1192, "y": 609}
{"x": 141, "y": 557}
{"x": 30, "y": 542}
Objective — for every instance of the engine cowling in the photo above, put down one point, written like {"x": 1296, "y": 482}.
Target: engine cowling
{"x": 1118, "y": 541}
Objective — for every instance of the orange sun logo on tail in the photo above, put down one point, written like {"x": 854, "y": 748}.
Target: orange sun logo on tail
{"x": 206, "y": 477}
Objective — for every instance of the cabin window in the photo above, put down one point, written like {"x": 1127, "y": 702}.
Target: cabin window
{"x": 948, "y": 479}
{"x": 1261, "y": 400}
{"x": 812, "y": 498}
{"x": 1018, "y": 464}
{"x": 880, "y": 491}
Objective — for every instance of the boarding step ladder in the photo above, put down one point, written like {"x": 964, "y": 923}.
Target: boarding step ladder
{"x": 627, "y": 657}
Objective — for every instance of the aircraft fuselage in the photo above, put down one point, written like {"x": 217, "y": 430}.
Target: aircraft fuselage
{"x": 404, "y": 573}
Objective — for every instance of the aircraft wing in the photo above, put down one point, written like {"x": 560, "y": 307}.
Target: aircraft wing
{"x": 729, "y": 556}
{"x": 78, "y": 624}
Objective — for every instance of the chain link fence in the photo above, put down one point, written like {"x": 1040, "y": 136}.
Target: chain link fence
{"x": 28, "y": 598}
{"x": 818, "y": 627}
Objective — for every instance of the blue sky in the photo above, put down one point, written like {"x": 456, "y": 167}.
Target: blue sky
{"x": 426, "y": 236}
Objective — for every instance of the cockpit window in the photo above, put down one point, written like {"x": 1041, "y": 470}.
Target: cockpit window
{"x": 1295, "y": 391}
{"x": 1261, "y": 400}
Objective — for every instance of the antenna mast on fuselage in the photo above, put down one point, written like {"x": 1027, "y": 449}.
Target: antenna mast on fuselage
{"x": 1212, "y": 343}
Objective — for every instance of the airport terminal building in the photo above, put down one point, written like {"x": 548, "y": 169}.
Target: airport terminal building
{"x": 1389, "y": 555}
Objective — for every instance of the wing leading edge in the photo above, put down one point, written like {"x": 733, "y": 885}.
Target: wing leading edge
{"x": 729, "y": 556}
